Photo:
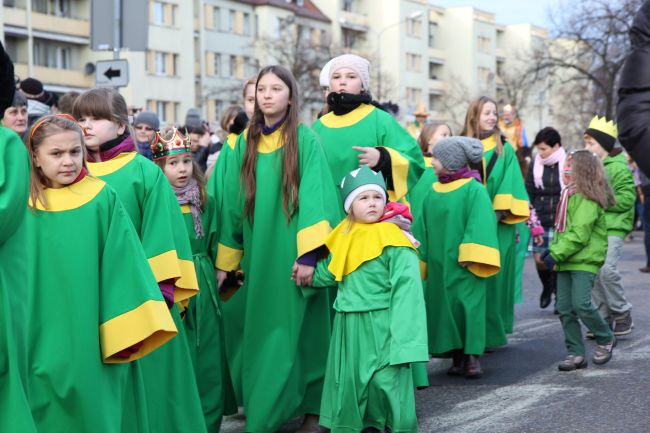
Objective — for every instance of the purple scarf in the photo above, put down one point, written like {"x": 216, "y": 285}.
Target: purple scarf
{"x": 463, "y": 173}
{"x": 113, "y": 148}
{"x": 191, "y": 194}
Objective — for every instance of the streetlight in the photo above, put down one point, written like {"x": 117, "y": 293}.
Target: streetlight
{"x": 411, "y": 16}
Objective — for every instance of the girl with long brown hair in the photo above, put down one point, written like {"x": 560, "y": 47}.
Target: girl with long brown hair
{"x": 279, "y": 205}
{"x": 505, "y": 184}
{"x": 577, "y": 252}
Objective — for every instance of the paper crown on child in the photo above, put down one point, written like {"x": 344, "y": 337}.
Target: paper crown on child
{"x": 603, "y": 131}
{"x": 361, "y": 180}
{"x": 162, "y": 148}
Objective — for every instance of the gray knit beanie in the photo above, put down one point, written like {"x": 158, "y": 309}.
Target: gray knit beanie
{"x": 147, "y": 118}
{"x": 457, "y": 152}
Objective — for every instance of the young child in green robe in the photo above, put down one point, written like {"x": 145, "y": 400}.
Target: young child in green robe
{"x": 577, "y": 252}
{"x": 380, "y": 323}
{"x": 458, "y": 229}
{"x": 93, "y": 302}
{"x": 203, "y": 320}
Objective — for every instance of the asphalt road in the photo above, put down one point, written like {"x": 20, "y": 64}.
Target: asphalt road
{"x": 522, "y": 390}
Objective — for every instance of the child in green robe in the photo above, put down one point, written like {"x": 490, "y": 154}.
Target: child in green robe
{"x": 380, "y": 323}
{"x": 93, "y": 301}
{"x": 458, "y": 230}
{"x": 203, "y": 321}
{"x": 577, "y": 252}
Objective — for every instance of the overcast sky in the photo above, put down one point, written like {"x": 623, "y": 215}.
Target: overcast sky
{"x": 508, "y": 11}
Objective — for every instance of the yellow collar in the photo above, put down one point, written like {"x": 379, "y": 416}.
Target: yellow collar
{"x": 111, "y": 166}
{"x": 231, "y": 140}
{"x": 489, "y": 143}
{"x": 72, "y": 196}
{"x": 271, "y": 142}
{"x": 185, "y": 208}
{"x": 331, "y": 120}
{"x": 451, "y": 186}
{"x": 353, "y": 246}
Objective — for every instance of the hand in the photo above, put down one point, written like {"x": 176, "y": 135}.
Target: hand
{"x": 221, "y": 277}
{"x": 302, "y": 274}
{"x": 367, "y": 156}
{"x": 464, "y": 264}
{"x": 205, "y": 139}
{"x": 501, "y": 214}
{"x": 539, "y": 240}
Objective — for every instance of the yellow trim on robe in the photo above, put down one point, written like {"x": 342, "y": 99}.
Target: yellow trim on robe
{"x": 187, "y": 285}
{"x": 111, "y": 166}
{"x": 231, "y": 140}
{"x": 271, "y": 142}
{"x": 424, "y": 270}
{"x": 400, "y": 169}
{"x": 70, "y": 197}
{"x": 428, "y": 161}
{"x": 518, "y": 210}
{"x": 165, "y": 266}
{"x": 489, "y": 143}
{"x": 451, "y": 186}
{"x": 150, "y": 323}
{"x": 485, "y": 261}
{"x": 228, "y": 258}
{"x": 185, "y": 208}
{"x": 331, "y": 120}
{"x": 312, "y": 237}
{"x": 353, "y": 246}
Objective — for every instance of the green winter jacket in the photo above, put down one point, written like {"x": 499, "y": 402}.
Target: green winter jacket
{"x": 583, "y": 245}
{"x": 620, "y": 217}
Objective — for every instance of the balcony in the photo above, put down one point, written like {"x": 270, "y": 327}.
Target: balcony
{"x": 354, "y": 21}
{"x": 14, "y": 16}
{"x": 437, "y": 56}
{"x": 64, "y": 77}
{"x": 437, "y": 86}
{"x": 67, "y": 26}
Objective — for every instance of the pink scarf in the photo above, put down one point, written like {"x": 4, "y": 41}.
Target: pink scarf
{"x": 563, "y": 205}
{"x": 400, "y": 215}
{"x": 557, "y": 157}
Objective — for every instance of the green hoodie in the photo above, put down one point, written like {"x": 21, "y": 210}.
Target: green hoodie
{"x": 583, "y": 245}
{"x": 620, "y": 217}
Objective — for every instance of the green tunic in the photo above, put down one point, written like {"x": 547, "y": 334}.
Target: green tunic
{"x": 368, "y": 126}
{"x": 92, "y": 295}
{"x": 457, "y": 224}
{"x": 285, "y": 336}
{"x": 204, "y": 324}
{"x": 421, "y": 190}
{"x": 234, "y": 309}
{"x": 15, "y": 415}
{"x": 507, "y": 191}
{"x": 173, "y": 403}
{"x": 379, "y": 329}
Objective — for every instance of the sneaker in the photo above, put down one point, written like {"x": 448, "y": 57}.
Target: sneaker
{"x": 603, "y": 352}
{"x": 572, "y": 362}
{"x": 623, "y": 325}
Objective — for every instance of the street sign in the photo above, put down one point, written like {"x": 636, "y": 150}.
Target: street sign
{"x": 132, "y": 29}
{"x": 112, "y": 73}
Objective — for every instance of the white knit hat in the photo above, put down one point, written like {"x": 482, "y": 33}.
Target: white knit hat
{"x": 358, "y": 64}
{"x": 324, "y": 78}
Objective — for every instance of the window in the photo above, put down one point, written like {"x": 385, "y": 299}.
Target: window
{"x": 218, "y": 107}
{"x": 413, "y": 95}
{"x": 247, "y": 24}
{"x": 483, "y": 44}
{"x": 348, "y": 5}
{"x": 161, "y": 65}
{"x": 433, "y": 29}
{"x": 413, "y": 62}
{"x": 414, "y": 28}
{"x": 217, "y": 64}
{"x": 231, "y": 21}
{"x": 158, "y": 13}
{"x": 484, "y": 75}
{"x": 59, "y": 8}
{"x": 216, "y": 18}
{"x": 233, "y": 66}
{"x": 435, "y": 102}
{"x": 352, "y": 39}
{"x": 163, "y": 14}
{"x": 167, "y": 111}
{"x": 52, "y": 55}
{"x": 435, "y": 71}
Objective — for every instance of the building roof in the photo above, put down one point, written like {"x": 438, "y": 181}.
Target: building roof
{"x": 307, "y": 10}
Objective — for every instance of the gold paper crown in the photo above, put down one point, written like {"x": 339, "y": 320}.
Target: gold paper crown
{"x": 162, "y": 148}
{"x": 603, "y": 125}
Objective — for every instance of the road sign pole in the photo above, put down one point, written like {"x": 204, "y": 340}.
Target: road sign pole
{"x": 117, "y": 43}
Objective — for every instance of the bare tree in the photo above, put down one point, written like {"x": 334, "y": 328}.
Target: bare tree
{"x": 454, "y": 103}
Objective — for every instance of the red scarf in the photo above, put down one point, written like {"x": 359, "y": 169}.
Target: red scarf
{"x": 560, "y": 214}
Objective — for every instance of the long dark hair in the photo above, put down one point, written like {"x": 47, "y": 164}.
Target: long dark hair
{"x": 290, "y": 174}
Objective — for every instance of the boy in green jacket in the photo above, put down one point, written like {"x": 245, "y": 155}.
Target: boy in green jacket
{"x": 608, "y": 294}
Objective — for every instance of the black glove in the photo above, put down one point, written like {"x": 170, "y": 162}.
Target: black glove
{"x": 548, "y": 260}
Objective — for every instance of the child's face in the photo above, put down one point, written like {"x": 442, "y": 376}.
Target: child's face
{"x": 368, "y": 207}
{"x": 346, "y": 80}
{"x": 488, "y": 118}
{"x": 60, "y": 158}
{"x": 437, "y": 166}
{"x": 272, "y": 95}
{"x": 179, "y": 169}
{"x": 568, "y": 170}
{"x": 593, "y": 146}
{"x": 249, "y": 100}
{"x": 99, "y": 131}
{"x": 441, "y": 132}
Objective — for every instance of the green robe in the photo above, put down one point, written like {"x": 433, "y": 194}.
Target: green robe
{"x": 379, "y": 329}
{"x": 234, "y": 309}
{"x": 285, "y": 336}
{"x": 507, "y": 191}
{"x": 92, "y": 295}
{"x": 15, "y": 414}
{"x": 173, "y": 402}
{"x": 368, "y": 126}
{"x": 457, "y": 224}
{"x": 420, "y": 191}
{"x": 204, "y": 324}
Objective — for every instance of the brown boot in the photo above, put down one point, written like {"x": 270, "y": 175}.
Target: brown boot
{"x": 458, "y": 363}
{"x": 472, "y": 367}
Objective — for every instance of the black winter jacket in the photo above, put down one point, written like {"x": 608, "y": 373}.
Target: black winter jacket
{"x": 633, "y": 111}
{"x": 545, "y": 200}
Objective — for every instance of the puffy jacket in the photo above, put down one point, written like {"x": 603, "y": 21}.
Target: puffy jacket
{"x": 545, "y": 200}
{"x": 620, "y": 217}
{"x": 583, "y": 245}
{"x": 634, "y": 93}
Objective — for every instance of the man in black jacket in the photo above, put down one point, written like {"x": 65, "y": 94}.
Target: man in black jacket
{"x": 633, "y": 109}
